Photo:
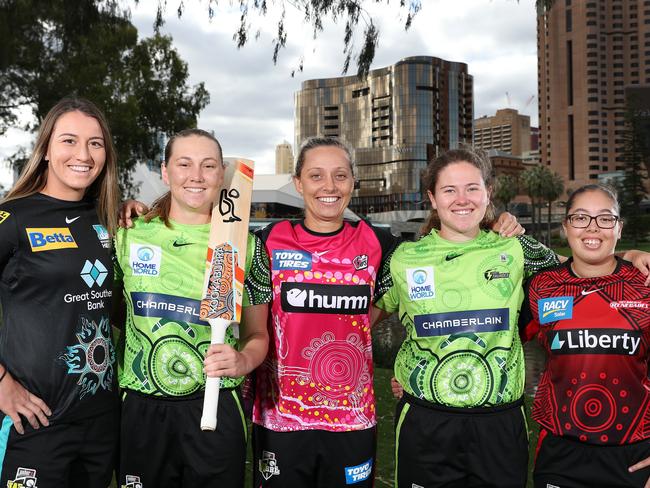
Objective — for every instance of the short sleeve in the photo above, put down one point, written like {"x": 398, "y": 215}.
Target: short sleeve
{"x": 390, "y": 299}
{"x": 257, "y": 285}
{"x": 9, "y": 232}
{"x": 528, "y": 320}
{"x": 388, "y": 244}
{"x": 536, "y": 256}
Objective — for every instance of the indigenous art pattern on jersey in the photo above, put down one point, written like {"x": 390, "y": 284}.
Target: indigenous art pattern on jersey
{"x": 596, "y": 333}
{"x": 459, "y": 303}
{"x": 56, "y": 297}
{"x": 318, "y": 374}
{"x": 165, "y": 340}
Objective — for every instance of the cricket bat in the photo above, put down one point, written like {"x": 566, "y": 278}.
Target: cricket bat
{"x": 224, "y": 268}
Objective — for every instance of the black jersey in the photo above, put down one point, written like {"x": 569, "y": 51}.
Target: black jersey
{"x": 55, "y": 289}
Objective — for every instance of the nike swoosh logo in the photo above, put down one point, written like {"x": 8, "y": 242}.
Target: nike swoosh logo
{"x": 69, "y": 221}
{"x": 585, "y": 292}
{"x": 181, "y": 244}
{"x": 449, "y": 257}
{"x": 319, "y": 254}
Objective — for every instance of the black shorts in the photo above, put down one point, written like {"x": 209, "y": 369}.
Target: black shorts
{"x": 79, "y": 454}
{"x": 162, "y": 444}
{"x": 473, "y": 447}
{"x": 313, "y": 458}
{"x": 565, "y": 463}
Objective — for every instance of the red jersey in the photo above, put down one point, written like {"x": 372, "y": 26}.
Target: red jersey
{"x": 596, "y": 333}
{"x": 318, "y": 373}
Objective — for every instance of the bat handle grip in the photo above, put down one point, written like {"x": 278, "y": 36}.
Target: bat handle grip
{"x": 211, "y": 397}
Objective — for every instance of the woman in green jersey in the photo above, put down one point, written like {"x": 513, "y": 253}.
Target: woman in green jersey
{"x": 458, "y": 291}
{"x": 160, "y": 262}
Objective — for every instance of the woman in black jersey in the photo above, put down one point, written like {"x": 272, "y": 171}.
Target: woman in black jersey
{"x": 591, "y": 316}
{"x": 58, "y": 398}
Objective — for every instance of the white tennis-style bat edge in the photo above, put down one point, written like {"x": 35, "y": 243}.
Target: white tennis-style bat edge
{"x": 231, "y": 236}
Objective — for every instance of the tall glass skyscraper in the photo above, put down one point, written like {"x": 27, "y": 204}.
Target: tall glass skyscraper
{"x": 395, "y": 120}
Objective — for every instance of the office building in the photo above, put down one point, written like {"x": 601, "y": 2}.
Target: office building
{"x": 506, "y": 131}
{"x": 588, "y": 53}
{"x": 283, "y": 158}
{"x": 395, "y": 120}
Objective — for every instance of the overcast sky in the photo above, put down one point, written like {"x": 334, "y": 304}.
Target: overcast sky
{"x": 252, "y": 100}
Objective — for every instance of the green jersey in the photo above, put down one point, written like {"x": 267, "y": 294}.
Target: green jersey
{"x": 164, "y": 341}
{"x": 459, "y": 303}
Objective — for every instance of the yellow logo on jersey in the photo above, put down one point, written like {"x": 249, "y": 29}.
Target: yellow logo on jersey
{"x": 3, "y": 216}
{"x": 49, "y": 238}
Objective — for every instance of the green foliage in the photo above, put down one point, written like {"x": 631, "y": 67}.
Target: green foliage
{"x": 506, "y": 188}
{"x": 314, "y": 13}
{"x": 633, "y": 186}
{"x": 543, "y": 187}
{"x": 90, "y": 48}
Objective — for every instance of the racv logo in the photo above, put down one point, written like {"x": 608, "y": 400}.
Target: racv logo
{"x": 595, "y": 341}
{"x": 553, "y": 309}
{"x": 319, "y": 298}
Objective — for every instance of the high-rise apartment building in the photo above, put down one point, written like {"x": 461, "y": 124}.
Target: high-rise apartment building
{"x": 589, "y": 51}
{"x": 395, "y": 119}
{"x": 506, "y": 131}
{"x": 283, "y": 158}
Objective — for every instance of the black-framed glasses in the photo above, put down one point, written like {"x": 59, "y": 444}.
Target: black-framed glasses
{"x": 582, "y": 221}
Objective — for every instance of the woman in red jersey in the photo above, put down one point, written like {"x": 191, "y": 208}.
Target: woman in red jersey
{"x": 591, "y": 315}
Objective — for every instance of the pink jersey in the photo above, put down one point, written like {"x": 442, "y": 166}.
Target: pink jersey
{"x": 318, "y": 373}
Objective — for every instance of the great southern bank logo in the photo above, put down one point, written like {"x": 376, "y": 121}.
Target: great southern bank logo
{"x": 554, "y": 309}
{"x": 420, "y": 283}
{"x": 93, "y": 273}
{"x": 145, "y": 260}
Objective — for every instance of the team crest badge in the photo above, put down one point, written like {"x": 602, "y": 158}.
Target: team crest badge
{"x": 360, "y": 262}
{"x": 132, "y": 482}
{"x": 25, "y": 478}
{"x": 268, "y": 465}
